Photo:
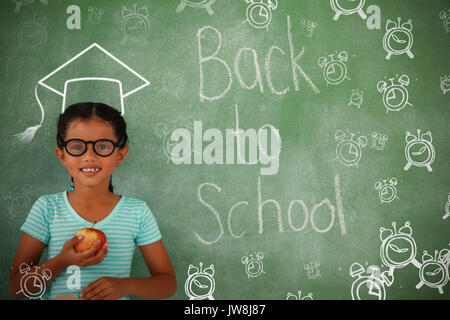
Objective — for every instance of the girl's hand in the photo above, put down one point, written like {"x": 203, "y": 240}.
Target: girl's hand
{"x": 105, "y": 288}
{"x": 69, "y": 256}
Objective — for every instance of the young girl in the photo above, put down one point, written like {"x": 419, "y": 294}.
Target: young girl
{"x": 92, "y": 142}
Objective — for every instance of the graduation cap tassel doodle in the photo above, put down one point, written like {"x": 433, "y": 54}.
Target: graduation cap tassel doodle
{"x": 29, "y": 133}
{"x": 85, "y": 71}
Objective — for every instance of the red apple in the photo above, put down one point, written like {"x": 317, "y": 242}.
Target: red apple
{"x": 90, "y": 235}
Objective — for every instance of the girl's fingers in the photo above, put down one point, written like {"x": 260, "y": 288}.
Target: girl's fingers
{"x": 91, "y": 251}
{"x": 102, "y": 295}
{"x": 91, "y": 286}
{"x": 93, "y": 289}
{"x": 98, "y": 257}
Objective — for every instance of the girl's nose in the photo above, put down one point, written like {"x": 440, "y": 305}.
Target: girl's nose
{"x": 90, "y": 151}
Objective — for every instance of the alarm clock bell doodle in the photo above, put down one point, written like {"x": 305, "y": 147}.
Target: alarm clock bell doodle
{"x": 109, "y": 83}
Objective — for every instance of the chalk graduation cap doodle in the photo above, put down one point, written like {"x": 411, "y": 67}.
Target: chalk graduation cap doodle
{"x": 93, "y": 75}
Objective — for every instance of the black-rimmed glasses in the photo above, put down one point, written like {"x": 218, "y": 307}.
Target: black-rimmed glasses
{"x": 78, "y": 147}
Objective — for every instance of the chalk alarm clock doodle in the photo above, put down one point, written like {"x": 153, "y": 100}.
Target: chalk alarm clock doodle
{"x": 32, "y": 32}
{"x": 434, "y": 270}
{"x": 387, "y": 191}
{"x": 200, "y": 283}
{"x": 259, "y": 13}
{"x": 298, "y": 296}
{"x": 395, "y": 94}
{"x": 419, "y": 150}
{"x": 348, "y": 150}
{"x": 398, "y": 38}
{"x": 369, "y": 283}
{"x": 135, "y": 23}
{"x": 447, "y": 208}
{"x": 445, "y": 16}
{"x": 334, "y": 69}
{"x": 356, "y": 98}
{"x": 196, "y": 4}
{"x": 398, "y": 248}
{"x": 445, "y": 84}
{"x": 32, "y": 280}
{"x": 348, "y": 7}
{"x": 18, "y": 202}
{"x": 379, "y": 140}
{"x": 253, "y": 265}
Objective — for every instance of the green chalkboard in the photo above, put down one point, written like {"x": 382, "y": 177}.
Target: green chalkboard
{"x": 288, "y": 149}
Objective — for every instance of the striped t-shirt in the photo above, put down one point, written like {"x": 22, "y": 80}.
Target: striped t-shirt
{"x": 53, "y": 221}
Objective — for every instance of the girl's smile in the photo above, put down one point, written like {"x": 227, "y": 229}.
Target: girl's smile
{"x": 90, "y": 171}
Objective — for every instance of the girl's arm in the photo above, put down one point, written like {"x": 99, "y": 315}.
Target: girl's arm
{"x": 161, "y": 284}
{"x": 30, "y": 250}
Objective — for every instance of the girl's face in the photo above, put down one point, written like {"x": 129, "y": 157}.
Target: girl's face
{"x": 92, "y": 129}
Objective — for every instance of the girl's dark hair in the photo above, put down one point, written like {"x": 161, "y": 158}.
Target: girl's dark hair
{"x": 87, "y": 110}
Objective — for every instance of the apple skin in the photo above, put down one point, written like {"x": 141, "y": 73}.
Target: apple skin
{"x": 90, "y": 235}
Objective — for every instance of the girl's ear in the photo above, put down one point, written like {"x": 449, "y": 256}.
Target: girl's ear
{"x": 60, "y": 154}
{"x": 122, "y": 154}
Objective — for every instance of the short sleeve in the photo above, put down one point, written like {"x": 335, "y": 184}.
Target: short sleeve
{"x": 148, "y": 228}
{"x": 36, "y": 224}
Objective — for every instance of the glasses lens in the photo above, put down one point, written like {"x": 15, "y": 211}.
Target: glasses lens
{"x": 104, "y": 147}
{"x": 75, "y": 147}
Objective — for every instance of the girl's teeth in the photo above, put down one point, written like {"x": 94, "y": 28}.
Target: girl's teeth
{"x": 90, "y": 170}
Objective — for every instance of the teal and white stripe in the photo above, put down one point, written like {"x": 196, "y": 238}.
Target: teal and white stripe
{"x": 53, "y": 221}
